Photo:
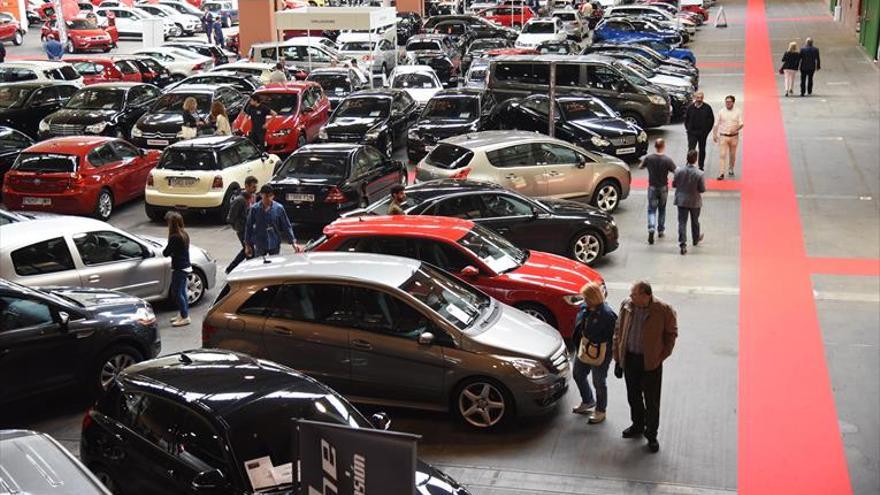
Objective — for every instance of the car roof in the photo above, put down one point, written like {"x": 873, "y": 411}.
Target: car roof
{"x": 373, "y": 268}
{"x": 115, "y": 85}
{"x": 473, "y": 92}
{"x": 212, "y": 142}
{"x": 244, "y": 64}
{"x": 194, "y": 88}
{"x": 43, "y": 228}
{"x": 412, "y": 69}
{"x": 96, "y": 60}
{"x": 68, "y": 145}
{"x": 295, "y": 87}
{"x": 442, "y": 187}
{"x": 42, "y": 64}
{"x": 427, "y": 36}
{"x": 331, "y": 70}
{"x": 489, "y": 139}
{"x": 377, "y": 92}
{"x": 37, "y": 84}
{"x": 329, "y": 148}
{"x": 592, "y": 57}
{"x": 424, "y": 227}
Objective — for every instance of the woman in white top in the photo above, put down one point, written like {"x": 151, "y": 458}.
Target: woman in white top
{"x": 220, "y": 120}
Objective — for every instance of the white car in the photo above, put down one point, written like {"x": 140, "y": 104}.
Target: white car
{"x": 301, "y": 52}
{"x": 39, "y": 70}
{"x": 257, "y": 69}
{"x": 183, "y": 7}
{"x": 419, "y": 81}
{"x": 178, "y": 61}
{"x": 372, "y": 51}
{"x": 665, "y": 81}
{"x": 130, "y": 22}
{"x": 576, "y": 27}
{"x": 540, "y": 30}
{"x": 187, "y": 24}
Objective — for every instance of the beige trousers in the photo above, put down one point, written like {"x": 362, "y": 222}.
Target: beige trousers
{"x": 727, "y": 159}
{"x": 789, "y": 80}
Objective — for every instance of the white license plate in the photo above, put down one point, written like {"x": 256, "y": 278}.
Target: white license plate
{"x": 157, "y": 142}
{"x": 626, "y": 151}
{"x": 36, "y": 201}
{"x": 181, "y": 181}
{"x": 301, "y": 198}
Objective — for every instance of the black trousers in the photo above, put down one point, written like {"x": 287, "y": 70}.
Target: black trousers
{"x": 241, "y": 256}
{"x": 807, "y": 82}
{"x": 683, "y": 214}
{"x": 643, "y": 393}
{"x": 694, "y": 140}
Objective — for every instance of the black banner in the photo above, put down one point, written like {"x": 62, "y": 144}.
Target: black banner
{"x": 340, "y": 460}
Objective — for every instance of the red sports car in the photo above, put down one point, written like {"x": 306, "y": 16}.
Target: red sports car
{"x": 100, "y": 70}
{"x": 544, "y": 285}
{"x": 10, "y": 29}
{"x": 80, "y": 175}
{"x": 508, "y": 15}
{"x": 301, "y": 107}
{"x": 82, "y": 35}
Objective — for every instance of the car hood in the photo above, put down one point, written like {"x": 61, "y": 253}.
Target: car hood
{"x": 85, "y": 117}
{"x": 97, "y": 299}
{"x": 353, "y": 124}
{"x": 431, "y": 481}
{"x": 443, "y": 127}
{"x": 573, "y": 208}
{"x": 550, "y": 272}
{"x": 161, "y": 120}
{"x": 534, "y": 39}
{"x": 606, "y": 126}
{"x": 515, "y": 332}
{"x": 86, "y": 32}
{"x": 665, "y": 80}
{"x": 422, "y": 95}
{"x": 279, "y": 122}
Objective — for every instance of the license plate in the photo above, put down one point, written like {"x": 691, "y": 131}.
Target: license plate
{"x": 301, "y": 198}
{"x": 626, "y": 151}
{"x": 157, "y": 142}
{"x": 181, "y": 181}
{"x": 36, "y": 201}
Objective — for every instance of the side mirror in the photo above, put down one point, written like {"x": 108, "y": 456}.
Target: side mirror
{"x": 381, "y": 421}
{"x": 64, "y": 320}
{"x": 426, "y": 338}
{"x": 469, "y": 272}
{"x": 264, "y": 156}
{"x": 208, "y": 480}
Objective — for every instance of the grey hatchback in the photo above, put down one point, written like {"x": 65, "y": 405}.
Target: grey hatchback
{"x": 391, "y": 331}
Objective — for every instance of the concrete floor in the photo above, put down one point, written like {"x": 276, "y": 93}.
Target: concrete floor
{"x": 832, "y": 140}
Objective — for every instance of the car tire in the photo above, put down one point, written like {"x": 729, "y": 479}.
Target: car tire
{"x": 69, "y": 48}
{"x": 633, "y": 118}
{"x": 196, "y": 287}
{"x": 180, "y": 31}
{"x": 110, "y": 364}
{"x": 153, "y": 213}
{"x": 538, "y": 312}
{"x": 104, "y": 205}
{"x": 223, "y": 210}
{"x": 18, "y": 38}
{"x": 606, "y": 196}
{"x": 103, "y": 475}
{"x": 587, "y": 247}
{"x": 482, "y": 403}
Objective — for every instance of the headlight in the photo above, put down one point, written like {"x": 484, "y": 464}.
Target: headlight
{"x": 96, "y": 128}
{"x": 136, "y": 132}
{"x": 44, "y": 126}
{"x": 322, "y": 134}
{"x": 528, "y": 368}
{"x": 282, "y": 132}
{"x": 145, "y": 316}
{"x": 600, "y": 142}
{"x": 657, "y": 99}
{"x": 573, "y": 299}
{"x": 643, "y": 136}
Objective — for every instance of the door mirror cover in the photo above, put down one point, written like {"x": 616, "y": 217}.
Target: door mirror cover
{"x": 469, "y": 272}
{"x": 381, "y": 421}
{"x": 63, "y": 320}
{"x": 426, "y": 338}
{"x": 208, "y": 480}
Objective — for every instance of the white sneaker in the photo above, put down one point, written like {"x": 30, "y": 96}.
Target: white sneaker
{"x": 181, "y": 322}
{"x": 584, "y": 408}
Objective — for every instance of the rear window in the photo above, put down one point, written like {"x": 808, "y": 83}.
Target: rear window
{"x": 318, "y": 165}
{"x": 178, "y": 159}
{"x": 423, "y": 46}
{"x": 43, "y": 257}
{"x": 46, "y": 162}
{"x": 449, "y": 156}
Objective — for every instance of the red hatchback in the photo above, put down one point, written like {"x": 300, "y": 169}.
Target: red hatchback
{"x": 544, "y": 285}
{"x": 79, "y": 175}
{"x": 302, "y": 109}
{"x": 82, "y": 35}
{"x": 100, "y": 70}
{"x": 508, "y": 15}
{"x": 10, "y": 29}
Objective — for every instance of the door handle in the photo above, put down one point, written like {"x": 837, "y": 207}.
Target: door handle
{"x": 510, "y": 176}
{"x": 282, "y": 331}
{"x": 94, "y": 279}
{"x": 361, "y": 344}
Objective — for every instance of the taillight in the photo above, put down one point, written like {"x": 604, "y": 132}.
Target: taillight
{"x": 335, "y": 196}
{"x": 218, "y": 182}
{"x": 208, "y": 332}
{"x": 461, "y": 174}
{"x": 87, "y": 419}
{"x": 76, "y": 180}
{"x": 199, "y": 66}
{"x": 150, "y": 180}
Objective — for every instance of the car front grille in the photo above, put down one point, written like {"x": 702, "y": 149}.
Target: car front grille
{"x": 159, "y": 135}
{"x": 623, "y": 141}
{"x": 560, "y": 359}
{"x": 347, "y": 137}
{"x": 66, "y": 129}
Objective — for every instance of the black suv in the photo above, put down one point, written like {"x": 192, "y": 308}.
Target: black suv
{"x": 378, "y": 117}
{"x": 188, "y": 422}
{"x": 449, "y": 113}
{"x": 482, "y": 28}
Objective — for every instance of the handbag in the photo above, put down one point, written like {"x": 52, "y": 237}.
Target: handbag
{"x": 781, "y": 70}
{"x": 591, "y": 353}
{"x": 187, "y": 132}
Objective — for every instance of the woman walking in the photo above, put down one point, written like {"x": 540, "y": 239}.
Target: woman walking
{"x": 791, "y": 59}
{"x": 220, "y": 120}
{"x": 178, "y": 249}
{"x": 190, "y": 127}
{"x": 593, "y": 334}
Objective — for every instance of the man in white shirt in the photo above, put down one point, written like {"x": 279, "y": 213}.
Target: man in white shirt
{"x": 728, "y": 124}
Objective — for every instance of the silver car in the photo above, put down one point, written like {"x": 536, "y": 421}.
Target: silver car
{"x": 392, "y": 331}
{"x": 531, "y": 164}
{"x": 82, "y": 252}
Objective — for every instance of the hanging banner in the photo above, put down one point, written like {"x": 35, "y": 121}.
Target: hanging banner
{"x": 69, "y": 9}
{"x": 341, "y": 460}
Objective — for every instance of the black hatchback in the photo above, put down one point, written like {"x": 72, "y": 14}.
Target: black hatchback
{"x": 319, "y": 182}
{"x": 568, "y": 228}
{"x": 378, "y": 117}
{"x": 23, "y": 105}
{"x": 449, "y": 113}
{"x": 54, "y": 338}
{"x": 107, "y": 109}
{"x": 189, "y": 422}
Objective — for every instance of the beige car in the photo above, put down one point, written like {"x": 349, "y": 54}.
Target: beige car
{"x": 531, "y": 164}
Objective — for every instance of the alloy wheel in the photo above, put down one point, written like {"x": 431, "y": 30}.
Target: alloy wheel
{"x": 533, "y": 312}
{"x": 105, "y": 205}
{"x": 105, "y": 479}
{"x": 607, "y": 198}
{"x": 481, "y": 404}
{"x": 113, "y": 366}
{"x": 195, "y": 287}
{"x": 587, "y": 248}
{"x": 18, "y": 39}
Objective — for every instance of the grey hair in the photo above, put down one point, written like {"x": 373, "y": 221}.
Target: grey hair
{"x": 644, "y": 287}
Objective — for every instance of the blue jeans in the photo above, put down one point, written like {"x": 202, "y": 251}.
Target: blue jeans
{"x": 178, "y": 291}
{"x": 581, "y": 372}
{"x": 657, "y": 208}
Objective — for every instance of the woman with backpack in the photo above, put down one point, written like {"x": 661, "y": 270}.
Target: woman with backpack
{"x": 593, "y": 334}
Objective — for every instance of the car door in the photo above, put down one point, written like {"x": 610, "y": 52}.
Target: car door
{"x": 108, "y": 169}
{"x": 43, "y": 263}
{"x": 565, "y": 173}
{"x": 516, "y": 168}
{"x": 253, "y": 163}
{"x": 607, "y": 84}
{"x": 521, "y": 222}
{"x": 111, "y": 260}
{"x": 307, "y": 328}
{"x": 376, "y": 174}
{"x": 134, "y": 167}
{"x": 41, "y": 103}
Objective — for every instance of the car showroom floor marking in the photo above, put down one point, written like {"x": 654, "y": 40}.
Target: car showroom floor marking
{"x": 789, "y": 438}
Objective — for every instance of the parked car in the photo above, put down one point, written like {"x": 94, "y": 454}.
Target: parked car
{"x": 162, "y": 403}
{"x": 77, "y": 175}
{"x": 82, "y": 35}
{"x": 508, "y": 15}
{"x": 438, "y": 343}
{"x": 580, "y": 119}
{"x": 203, "y": 48}
{"x": 539, "y": 30}
{"x": 621, "y": 30}
{"x": 10, "y": 29}
{"x": 181, "y": 63}
{"x": 665, "y": 49}
{"x": 477, "y": 75}
{"x": 301, "y": 109}
{"x": 227, "y": 11}
{"x": 161, "y": 125}
{"x": 378, "y": 117}
{"x": 437, "y": 52}
{"x": 679, "y": 89}
{"x": 86, "y": 337}
{"x": 261, "y": 70}
{"x": 243, "y": 83}
{"x": 12, "y": 142}
{"x": 72, "y": 251}
{"x": 185, "y": 7}
{"x": 337, "y": 83}
{"x": 204, "y": 174}
{"x": 374, "y": 52}
{"x": 129, "y": 22}
{"x": 151, "y": 71}
{"x": 449, "y": 113}
{"x": 458, "y": 30}
{"x": 684, "y": 71}
{"x": 576, "y": 27}
{"x": 36, "y": 463}
{"x": 319, "y": 182}
{"x": 567, "y": 228}
{"x": 531, "y": 164}
{"x": 184, "y": 24}
{"x": 24, "y": 104}
{"x": 298, "y": 52}
{"x": 101, "y": 70}
{"x": 479, "y": 47}
{"x": 419, "y": 81}
{"x": 38, "y": 70}
{"x": 481, "y": 27}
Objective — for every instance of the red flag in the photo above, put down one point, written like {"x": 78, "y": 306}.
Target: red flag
{"x": 69, "y": 9}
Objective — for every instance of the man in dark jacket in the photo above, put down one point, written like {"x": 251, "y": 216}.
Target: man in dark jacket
{"x": 689, "y": 185}
{"x": 208, "y": 24}
{"x": 237, "y": 218}
{"x": 698, "y": 122}
{"x": 810, "y": 63}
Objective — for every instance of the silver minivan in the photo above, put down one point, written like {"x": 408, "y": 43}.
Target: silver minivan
{"x": 391, "y": 331}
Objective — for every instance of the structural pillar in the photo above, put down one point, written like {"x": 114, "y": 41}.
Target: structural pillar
{"x": 417, "y": 6}
{"x": 256, "y": 23}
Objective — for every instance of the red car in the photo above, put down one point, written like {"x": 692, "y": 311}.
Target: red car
{"x": 508, "y": 15}
{"x": 80, "y": 175}
{"x": 10, "y": 29}
{"x": 82, "y": 35}
{"x": 544, "y": 285}
{"x": 302, "y": 109}
{"x": 100, "y": 70}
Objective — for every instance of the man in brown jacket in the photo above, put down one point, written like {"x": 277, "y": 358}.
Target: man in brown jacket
{"x": 643, "y": 338}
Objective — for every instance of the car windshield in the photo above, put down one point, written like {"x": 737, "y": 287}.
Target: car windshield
{"x": 317, "y": 165}
{"x": 46, "y": 162}
{"x": 452, "y": 108}
{"x": 414, "y": 80}
{"x": 281, "y": 103}
{"x": 97, "y": 99}
{"x": 489, "y": 44}
{"x": 187, "y": 159}
{"x": 495, "y": 251}
{"x": 364, "y": 107}
{"x": 455, "y": 301}
{"x": 560, "y": 48}
{"x": 333, "y": 84}
{"x": 635, "y": 67}
{"x": 81, "y": 24}
{"x": 423, "y": 46}
{"x": 633, "y": 77}
{"x": 645, "y": 61}
{"x": 477, "y": 74}
{"x": 13, "y": 97}
{"x": 173, "y": 102}
{"x": 358, "y": 46}
{"x": 12, "y": 140}
{"x": 539, "y": 28}
{"x": 15, "y": 74}
{"x": 587, "y": 108}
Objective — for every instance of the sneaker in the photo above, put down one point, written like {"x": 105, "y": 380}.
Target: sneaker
{"x": 633, "y": 431}
{"x": 181, "y": 322}
{"x": 584, "y": 408}
{"x": 650, "y": 237}
{"x": 596, "y": 418}
{"x": 661, "y": 234}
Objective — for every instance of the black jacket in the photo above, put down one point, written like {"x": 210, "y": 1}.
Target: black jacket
{"x": 791, "y": 60}
{"x": 699, "y": 120}
{"x": 810, "y": 59}
{"x": 237, "y": 217}
{"x": 178, "y": 249}
{"x": 597, "y": 325}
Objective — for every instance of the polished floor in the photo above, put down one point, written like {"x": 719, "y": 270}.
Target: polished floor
{"x": 774, "y": 385}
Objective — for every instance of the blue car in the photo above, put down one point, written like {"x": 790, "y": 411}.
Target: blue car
{"x": 618, "y": 30}
{"x": 224, "y": 9}
{"x": 665, "y": 49}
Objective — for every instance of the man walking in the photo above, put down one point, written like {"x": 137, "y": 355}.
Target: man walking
{"x": 728, "y": 123}
{"x": 689, "y": 186}
{"x": 659, "y": 167}
{"x": 237, "y": 218}
{"x": 698, "y": 122}
{"x": 810, "y": 63}
{"x": 643, "y": 338}
{"x": 267, "y": 224}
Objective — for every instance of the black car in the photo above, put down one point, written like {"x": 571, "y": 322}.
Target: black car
{"x": 207, "y": 49}
{"x": 449, "y": 113}
{"x": 107, "y": 109}
{"x": 459, "y": 31}
{"x": 408, "y": 24}
{"x": 319, "y": 182}
{"x": 243, "y": 83}
{"x": 36, "y": 463}
{"x": 566, "y": 47}
{"x": 378, "y": 117}
{"x": 161, "y": 125}
{"x": 337, "y": 83}
{"x": 189, "y": 422}
{"x": 436, "y": 51}
{"x": 57, "y": 337}
{"x": 482, "y": 28}
{"x": 11, "y": 144}
{"x": 568, "y": 228}
{"x": 23, "y": 105}
{"x": 479, "y": 47}
{"x": 658, "y": 61}
{"x": 152, "y": 72}
{"x": 580, "y": 119}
